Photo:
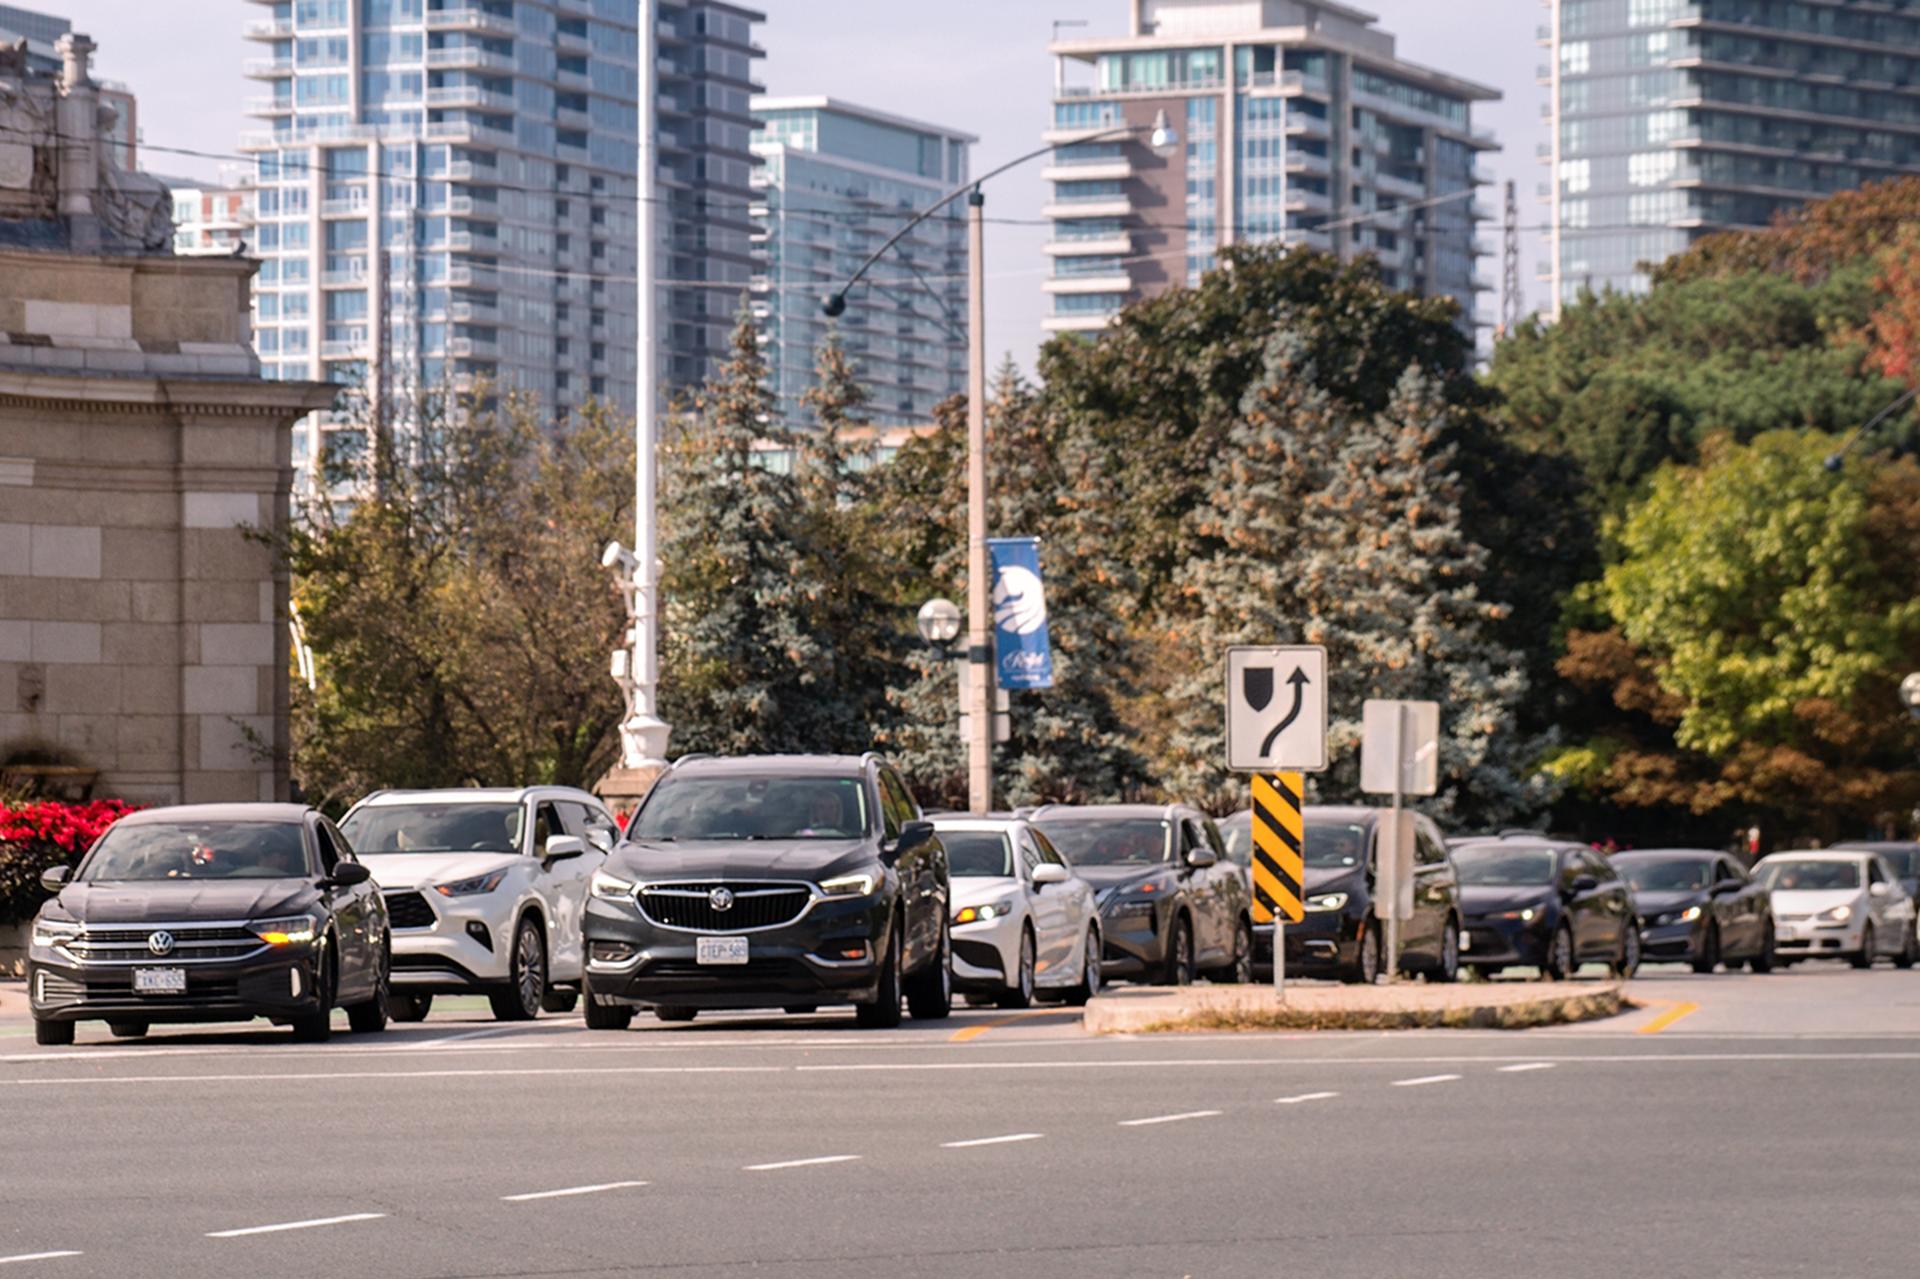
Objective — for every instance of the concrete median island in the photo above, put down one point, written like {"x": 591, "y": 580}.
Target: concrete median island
{"x": 1407, "y": 1006}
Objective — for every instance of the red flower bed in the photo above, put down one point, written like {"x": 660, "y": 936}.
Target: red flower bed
{"x": 44, "y": 833}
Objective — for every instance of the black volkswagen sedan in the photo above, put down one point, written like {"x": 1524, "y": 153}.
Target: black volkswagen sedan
{"x": 211, "y": 913}
{"x": 1698, "y": 907}
{"x": 1545, "y": 904}
{"x": 771, "y": 881}
{"x": 1171, "y": 905}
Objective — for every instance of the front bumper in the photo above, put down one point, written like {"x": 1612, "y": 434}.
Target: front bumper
{"x": 986, "y": 954}
{"x": 1325, "y": 942}
{"x": 1133, "y": 939}
{"x": 465, "y": 948}
{"x": 1496, "y": 943}
{"x": 1670, "y": 943}
{"x": 278, "y": 984}
{"x": 792, "y": 964}
{"x": 1805, "y": 939}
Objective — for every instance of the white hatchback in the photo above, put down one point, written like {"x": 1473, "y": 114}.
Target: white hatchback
{"x": 1838, "y": 904}
{"x": 1023, "y": 922}
{"x": 485, "y": 891}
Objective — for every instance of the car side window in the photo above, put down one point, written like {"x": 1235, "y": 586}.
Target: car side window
{"x": 890, "y": 819}
{"x": 341, "y": 846}
{"x": 1428, "y": 850}
{"x": 1728, "y": 870}
{"x": 546, "y": 824}
{"x": 1188, "y": 839}
{"x": 1029, "y": 857}
{"x": 1599, "y": 867}
{"x": 1048, "y": 853}
{"x": 323, "y": 844}
{"x": 1874, "y": 875}
{"x": 1570, "y": 868}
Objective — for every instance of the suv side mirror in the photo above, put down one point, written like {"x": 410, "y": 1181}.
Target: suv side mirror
{"x": 1049, "y": 873}
{"x": 1878, "y": 890}
{"x": 348, "y": 875}
{"x": 1201, "y": 858}
{"x": 912, "y": 835}
{"x": 54, "y": 878}
{"x": 562, "y": 847}
{"x": 1584, "y": 883}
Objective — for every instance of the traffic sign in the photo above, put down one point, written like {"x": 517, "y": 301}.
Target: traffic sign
{"x": 1408, "y": 732}
{"x": 1279, "y": 844}
{"x": 1277, "y": 708}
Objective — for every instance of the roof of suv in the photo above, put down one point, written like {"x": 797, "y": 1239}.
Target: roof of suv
{"x": 1112, "y": 812}
{"x": 472, "y": 795}
{"x": 218, "y": 813}
{"x": 779, "y": 765}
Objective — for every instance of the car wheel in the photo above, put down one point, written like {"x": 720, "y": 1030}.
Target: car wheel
{"x": 675, "y": 1012}
{"x": 317, "y": 1027}
{"x": 1090, "y": 974}
{"x": 1907, "y": 953}
{"x": 601, "y": 1016}
{"x": 1867, "y": 954}
{"x": 884, "y": 1012}
{"x": 370, "y": 1018}
{"x": 1240, "y": 971}
{"x": 560, "y": 1001}
{"x": 1368, "y": 960}
{"x": 55, "y": 1034}
{"x": 1629, "y": 962}
{"x": 1019, "y": 994}
{"x": 1708, "y": 957}
{"x": 930, "y": 991}
{"x": 1560, "y": 963}
{"x": 521, "y": 1000}
{"x": 1763, "y": 958}
{"x": 1178, "y": 970}
{"x": 1449, "y": 969}
{"x": 409, "y": 1007}
{"x": 125, "y": 1029}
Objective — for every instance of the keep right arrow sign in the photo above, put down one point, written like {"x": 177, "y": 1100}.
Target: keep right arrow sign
{"x": 1277, "y": 709}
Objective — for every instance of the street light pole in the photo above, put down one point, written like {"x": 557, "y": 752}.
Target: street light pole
{"x": 979, "y": 596}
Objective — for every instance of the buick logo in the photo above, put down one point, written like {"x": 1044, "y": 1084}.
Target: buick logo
{"x": 160, "y": 943}
{"x": 721, "y": 899}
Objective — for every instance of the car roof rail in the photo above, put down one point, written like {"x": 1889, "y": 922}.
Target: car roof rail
{"x": 875, "y": 756}
{"x": 690, "y": 757}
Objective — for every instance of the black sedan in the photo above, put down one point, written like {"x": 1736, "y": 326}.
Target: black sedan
{"x": 1172, "y": 907}
{"x": 1699, "y": 907}
{"x": 211, "y": 913}
{"x": 1544, "y": 904}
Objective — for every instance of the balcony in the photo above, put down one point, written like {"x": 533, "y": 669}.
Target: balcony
{"x": 268, "y": 68}
{"x": 1119, "y": 282}
{"x": 1143, "y": 90}
{"x": 471, "y": 242}
{"x": 269, "y": 106}
{"x": 350, "y": 278}
{"x": 474, "y": 348}
{"x": 470, "y": 95}
{"x": 353, "y": 206}
{"x": 465, "y": 206}
{"x": 342, "y": 350}
{"x": 468, "y": 275}
{"x": 1308, "y": 162}
{"x": 470, "y": 20}
{"x": 1106, "y": 244}
{"x": 1090, "y": 322}
{"x": 1113, "y": 168}
{"x": 468, "y": 60}
{"x": 270, "y": 29}
{"x": 474, "y": 312}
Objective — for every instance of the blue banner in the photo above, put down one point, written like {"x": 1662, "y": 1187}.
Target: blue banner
{"x": 1022, "y": 649}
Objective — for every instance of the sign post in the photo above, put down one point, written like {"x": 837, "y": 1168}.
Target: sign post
{"x": 1399, "y": 756}
{"x": 1277, "y": 730}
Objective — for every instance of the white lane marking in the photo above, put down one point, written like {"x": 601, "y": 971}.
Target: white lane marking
{"x": 37, "y": 1256}
{"x": 311, "y": 1076}
{"x": 800, "y": 1163}
{"x": 1424, "y": 1079}
{"x": 1522, "y": 1067}
{"x": 418, "y": 1045}
{"x": 1168, "y": 1119}
{"x": 570, "y": 1190}
{"x": 992, "y": 1141}
{"x": 295, "y": 1225}
{"x": 1305, "y": 1096}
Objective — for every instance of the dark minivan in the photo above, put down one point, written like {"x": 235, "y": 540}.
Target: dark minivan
{"x": 772, "y": 881}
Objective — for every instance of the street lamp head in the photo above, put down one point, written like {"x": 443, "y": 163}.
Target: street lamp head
{"x": 1164, "y": 137}
{"x": 618, "y": 556}
{"x": 1835, "y": 461}
{"x": 939, "y": 622}
{"x": 835, "y": 306}
{"x": 1910, "y": 694}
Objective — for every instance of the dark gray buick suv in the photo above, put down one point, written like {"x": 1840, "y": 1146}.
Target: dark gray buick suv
{"x": 771, "y": 882}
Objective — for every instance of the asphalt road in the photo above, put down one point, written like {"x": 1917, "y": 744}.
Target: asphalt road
{"x": 1733, "y": 1125}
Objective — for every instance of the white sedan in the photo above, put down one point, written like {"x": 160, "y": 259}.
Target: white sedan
{"x": 1023, "y": 922}
{"x": 1838, "y": 904}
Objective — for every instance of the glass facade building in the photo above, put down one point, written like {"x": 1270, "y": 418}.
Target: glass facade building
{"x": 1298, "y": 124}
{"x": 835, "y": 180}
{"x": 444, "y": 192}
{"x": 1675, "y": 118}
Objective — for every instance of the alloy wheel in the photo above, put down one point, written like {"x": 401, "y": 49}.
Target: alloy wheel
{"x": 533, "y": 969}
{"x": 1091, "y": 975}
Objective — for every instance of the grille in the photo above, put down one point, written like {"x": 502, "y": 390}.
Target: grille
{"x": 409, "y": 910}
{"x": 129, "y": 944}
{"x": 754, "y": 906}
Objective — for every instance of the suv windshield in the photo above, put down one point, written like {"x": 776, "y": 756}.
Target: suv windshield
{"x": 1498, "y": 866}
{"x": 1688, "y": 876}
{"x": 753, "y": 808}
{"x": 434, "y": 828}
{"x": 192, "y": 850}
{"x": 1809, "y": 876}
{"x": 1121, "y": 841}
{"x": 980, "y": 853}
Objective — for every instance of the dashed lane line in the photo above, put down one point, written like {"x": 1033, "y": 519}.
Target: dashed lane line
{"x": 1421, "y": 1080}
{"x": 1168, "y": 1119}
{"x": 277, "y": 1227}
{"x": 39, "y": 1256}
{"x": 570, "y": 1191}
{"x": 991, "y": 1141}
{"x": 1305, "y": 1096}
{"x": 1522, "y": 1067}
{"x": 801, "y": 1163}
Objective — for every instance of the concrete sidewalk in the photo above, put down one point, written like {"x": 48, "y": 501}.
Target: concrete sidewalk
{"x": 1404, "y": 1006}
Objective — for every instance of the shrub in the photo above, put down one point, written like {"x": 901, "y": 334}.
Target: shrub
{"x": 44, "y": 833}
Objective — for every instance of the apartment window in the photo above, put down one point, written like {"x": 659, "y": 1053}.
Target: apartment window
{"x": 1087, "y": 303}
{"x": 1075, "y": 192}
{"x": 1576, "y": 57}
{"x": 1650, "y": 168}
{"x": 1574, "y": 214}
{"x": 1576, "y": 176}
{"x": 1648, "y": 13}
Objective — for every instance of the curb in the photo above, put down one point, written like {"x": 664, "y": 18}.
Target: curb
{"x": 1254, "y": 1014}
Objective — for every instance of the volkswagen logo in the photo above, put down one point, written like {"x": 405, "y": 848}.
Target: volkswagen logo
{"x": 721, "y": 899}
{"x": 160, "y": 943}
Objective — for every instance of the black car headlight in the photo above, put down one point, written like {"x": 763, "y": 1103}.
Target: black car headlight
{"x": 860, "y": 883}
{"x": 291, "y": 930}
{"x": 54, "y": 932}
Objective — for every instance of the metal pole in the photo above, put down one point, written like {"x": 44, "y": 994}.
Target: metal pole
{"x": 979, "y": 600}
{"x": 1279, "y": 955}
{"x": 1400, "y": 854}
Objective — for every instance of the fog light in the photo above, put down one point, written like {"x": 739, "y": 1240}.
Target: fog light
{"x": 609, "y": 952}
{"x": 293, "y": 982}
{"x": 856, "y": 951}
{"x": 478, "y": 931}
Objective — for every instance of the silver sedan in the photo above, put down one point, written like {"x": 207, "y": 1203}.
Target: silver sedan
{"x": 1024, "y": 925}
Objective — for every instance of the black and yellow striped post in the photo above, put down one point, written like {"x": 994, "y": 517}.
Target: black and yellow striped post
{"x": 1279, "y": 869}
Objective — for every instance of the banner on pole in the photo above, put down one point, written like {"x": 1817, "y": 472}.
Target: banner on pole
{"x": 1023, "y": 650}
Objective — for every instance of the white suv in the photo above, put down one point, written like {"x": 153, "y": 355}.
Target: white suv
{"x": 485, "y": 890}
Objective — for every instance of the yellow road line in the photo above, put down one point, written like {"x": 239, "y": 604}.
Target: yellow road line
{"x": 1675, "y": 1011}
{"x": 982, "y": 1027}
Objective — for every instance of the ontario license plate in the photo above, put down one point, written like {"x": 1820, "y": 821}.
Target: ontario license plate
{"x": 159, "y": 981}
{"x": 721, "y": 950}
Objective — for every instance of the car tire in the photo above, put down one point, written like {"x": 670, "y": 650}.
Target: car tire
{"x": 675, "y": 1012}
{"x": 601, "y": 1016}
{"x": 1709, "y": 957}
{"x": 527, "y": 975}
{"x": 1020, "y": 993}
{"x": 54, "y": 1034}
{"x": 1090, "y": 972}
{"x": 1866, "y": 956}
{"x": 1908, "y": 953}
{"x": 1448, "y": 969}
{"x": 1561, "y": 963}
{"x": 1629, "y": 962}
{"x": 1763, "y": 958}
{"x": 1240, "y": 971}
{"x": 317, "y": 1027}
{"x": 560, "y": 1001}
{"x": 884, "y": 1012}
{"x": 409, "y": 1008}
{"x": 126, "y": 1029}
{"x": 1368, "y": 958}
{"x": 1177, "y": 970}
{"x": 370, "y": 1018}
{"x": 930, "y": 991}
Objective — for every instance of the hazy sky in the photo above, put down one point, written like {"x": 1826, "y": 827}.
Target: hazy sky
{"x": 980, "y": 66}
